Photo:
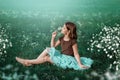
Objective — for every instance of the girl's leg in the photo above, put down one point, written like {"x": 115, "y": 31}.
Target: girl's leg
{"x": 28, "y": 62}
{"x": 44, "y": 53}
{"x": 43, "y": 57}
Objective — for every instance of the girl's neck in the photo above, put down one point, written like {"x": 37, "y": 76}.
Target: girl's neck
{"x": 66, "y": 38}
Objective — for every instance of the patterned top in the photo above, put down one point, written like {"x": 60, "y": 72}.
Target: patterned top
{"x": 66, "y": 46}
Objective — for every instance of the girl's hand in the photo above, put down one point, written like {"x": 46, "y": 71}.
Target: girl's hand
{"x": 54, "y": 34}
{"x": 82, "y": 66}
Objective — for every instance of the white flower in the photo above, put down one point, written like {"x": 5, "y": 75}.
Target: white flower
{"x": 91, "y": 40}
{"x": 98, "y": 50}
{"x": 113, "y": 44}
{"x": 111, "y": 56}
{"x": 106, "y": 52}
{"x": 10, "y": 44}
{"x": 114, "y": 51}
{"x": 99, "y": 46}
{"x": 109, "y": 47}
{"x": 117, "y": 24}
{"x": 109, "y": 43}
{"x": 108, "y": 36}
{"x": 4, "y": 46}
{"x": 1, "y": 53}
{"x": 6, "y": 40}
{"x": 104, "y": 49}
{"x": 105, "y": 28}
{"x": 94, "y": 73}
{"x": 100, "y": 33}
{"x": 117, "y": 68}
{"x": 91, "y": 49}
{"x": 110, "y": 66}
{"x": 118, "y": 33}
{"x": 88, "y": 49}
{"x": 114, "y": 62}
{"x": 93, "y": 37}
{"x": 5, "y": 51}
{"x": 108, "y": 55}
{"x": 112, "y": 48}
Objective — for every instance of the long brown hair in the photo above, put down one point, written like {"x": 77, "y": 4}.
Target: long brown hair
{"x": 72, "y": 27}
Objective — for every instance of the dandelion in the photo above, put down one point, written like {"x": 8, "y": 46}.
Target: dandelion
{"x": 59, "y": 28}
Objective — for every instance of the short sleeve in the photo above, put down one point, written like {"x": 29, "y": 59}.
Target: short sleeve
{"x": 74, "y": 42}
{"x": 60, "y": 39}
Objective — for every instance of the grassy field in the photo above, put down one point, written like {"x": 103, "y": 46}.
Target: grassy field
{"x": 27, "y": 33}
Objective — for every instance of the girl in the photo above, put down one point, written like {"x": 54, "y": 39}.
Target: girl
{"x": 68, "y": 57}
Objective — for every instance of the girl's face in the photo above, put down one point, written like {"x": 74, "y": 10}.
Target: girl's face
{"x": 64, "y": 30}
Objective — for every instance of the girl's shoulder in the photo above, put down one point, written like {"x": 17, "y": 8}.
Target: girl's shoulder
{"x": 73, "y": 41}
{"x": 61, "y": 38}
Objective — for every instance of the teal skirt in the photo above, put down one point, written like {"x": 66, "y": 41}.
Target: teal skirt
{"x": 66, "y": 61}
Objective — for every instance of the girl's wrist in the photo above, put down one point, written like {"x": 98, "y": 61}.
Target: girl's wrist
{"x": 53, "y": 37}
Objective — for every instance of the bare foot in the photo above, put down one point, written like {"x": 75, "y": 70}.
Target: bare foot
{"x": 22, "y": 61}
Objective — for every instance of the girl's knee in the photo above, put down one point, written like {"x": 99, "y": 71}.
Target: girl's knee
{"x": 47, "y": 58}
{"x": 47, "y": 50}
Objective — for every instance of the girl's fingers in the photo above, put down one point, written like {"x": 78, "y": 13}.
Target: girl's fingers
{"x": 84, "y": 66}
{"x": 54, "y": 33}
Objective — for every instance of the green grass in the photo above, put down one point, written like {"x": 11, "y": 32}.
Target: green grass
{"x": 31, "y": 35}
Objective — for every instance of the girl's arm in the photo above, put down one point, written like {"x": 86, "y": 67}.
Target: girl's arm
{"x": 77, "y": 56}
{"x": 53, "y": 43}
